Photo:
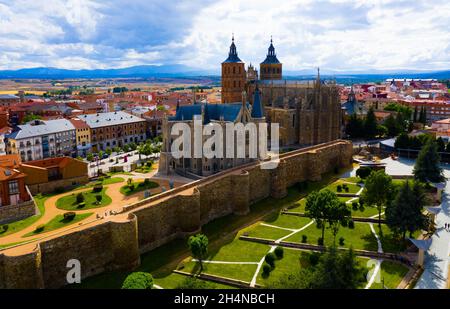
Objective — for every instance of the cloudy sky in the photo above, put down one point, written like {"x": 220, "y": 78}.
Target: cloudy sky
{"x": 338, "y": 35}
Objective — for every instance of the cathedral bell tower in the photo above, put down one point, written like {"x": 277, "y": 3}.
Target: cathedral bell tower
{"x": 233, "y": 76}
{"x": 271, "y": 68}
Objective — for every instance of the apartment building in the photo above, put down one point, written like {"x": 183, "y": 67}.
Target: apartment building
{"x": 40, "y": 139}
{"x": 83, "y": 136}
{"x": 114, "y": 129}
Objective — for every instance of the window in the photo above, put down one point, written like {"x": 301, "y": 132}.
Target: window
{"x": 13, "y": 187}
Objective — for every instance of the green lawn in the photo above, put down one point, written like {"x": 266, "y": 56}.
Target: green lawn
{"x": 69, "y": 202}
{"x": 138, "y": 187}
{"x": 287, "y": 221}
{"x": 112, "y": 180}
{"x": 243, "y": 272}
{"x": 119, "y": 173}
{"x": 173, "y": 280}
{"x": 389, "y": 242}
{"x": 391, "y": 274}
{"x": 144, "y": 169}
{"x": 58, "y": 222}
{"x": 353, "y": 188}
{"x": 17, "y": 226}
{"x": 239, "y": 251}
{"x": 360, "y": 237}
{"x": 290, "y": 263}
{"x": 369, "y": 211}
{"x": 261, "y": 231}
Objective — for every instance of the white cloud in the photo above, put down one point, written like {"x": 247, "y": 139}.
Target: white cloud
{"x": 339, "y": 35}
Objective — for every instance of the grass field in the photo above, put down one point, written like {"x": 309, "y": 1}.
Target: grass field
{"x": 22, "y": 224}
{"x": 138, "y": 187}
{"x": 242, "y": 272}
{"x": 266, "y": 232}
{"x": 353, "y": 188}
{"x": 391, "y": 275}
{"x": 69, "y": 202}
{"x": 173, "y": 281}
{"x": 360, "y": 237}
{"x": 57, "y": 223}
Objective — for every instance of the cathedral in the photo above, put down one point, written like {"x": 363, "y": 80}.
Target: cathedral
{"x": 308, "y": 112}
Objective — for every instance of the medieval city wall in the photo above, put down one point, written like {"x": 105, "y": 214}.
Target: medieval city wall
{"x": 21, "y": 211}
{"x": 170, "y": 215}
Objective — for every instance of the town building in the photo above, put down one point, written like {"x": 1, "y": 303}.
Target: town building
{"x": 53, "y": 174}
{"x": 7, "y": 100}
{"x": 83, "y": 136}
{"x": 16, "y": 201}
{"x": 114, "y": 129}
{"x": 40, "y": 139}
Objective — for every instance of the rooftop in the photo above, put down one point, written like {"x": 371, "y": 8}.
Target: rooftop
{"x": 109, "y": 119}
{"x": 41, "y": 127}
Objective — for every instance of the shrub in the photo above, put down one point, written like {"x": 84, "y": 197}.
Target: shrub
{"x": 320, "y": 241}
{"x": 341, "y": 241}
{"x": 361, "y": 201}
{"x": 69, "y": 216}
{"x": 97, "y": 188}
{"x": 147, "y": 181}
{"x": 99, "y": 199}
{"x": 304, "y": 239}
{"x": 81, "y": 205}
{"x": 363, "y": 172}
{"x": 339, "y": 188}
{"x": 270, "y": 259}
{"x": 279, "y": 252}
{"x": 361, "y": 208}
{"x": 314, "y": 258}
{"x": 39, "y": 228}
{"x": 138, "y": 280}
{"x": 351, "y": 224}
{"x": 149, "y": 164}
{"x": 131, "y": 187}
{"x": 80, "y": 198}
{"x": 355, "y": 206}
{"x": 266, "y": 269}
{"x": 347, "y": 189}
{"x": 4, "y": 228}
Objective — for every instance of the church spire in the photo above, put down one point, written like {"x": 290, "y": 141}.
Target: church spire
{"x": 233, "y": 55}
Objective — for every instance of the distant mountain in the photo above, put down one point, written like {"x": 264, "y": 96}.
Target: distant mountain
{"x": 143, "y": 71}
{"x": 181, "y": 71}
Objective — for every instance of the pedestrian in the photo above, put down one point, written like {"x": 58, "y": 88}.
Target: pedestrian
{"x": 445, "y": 226}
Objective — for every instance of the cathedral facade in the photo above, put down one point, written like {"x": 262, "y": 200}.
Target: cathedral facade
{"x": 308, "y": 112}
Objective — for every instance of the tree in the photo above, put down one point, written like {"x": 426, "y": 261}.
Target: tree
{"x": 338, "y": 214}
{"x": 440, "y": 144}
{"x": 99, "y": 199}
{"x": 198, "y": 245}
{"x": 370, "y": 124}
{"x": 322, "y": 206}
{"x": 392, "y": 126}
{"x": 402, "y": 141}
{"x": 355, "y": 127}
{"x": 108, "y": 151}
{"x": 405, "y": 213}
{"x": 416, "y": 111}
{"x": 377, "y": 191}
{"x": 80, "y": 198}
{"x": 90, "y": 157}
{"x": 30, "y": 117}
{"x": 427, "y": 166}
{"x": 138, "y": 280}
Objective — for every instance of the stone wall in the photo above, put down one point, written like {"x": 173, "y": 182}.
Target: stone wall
{"x": 51, "y": 186}
{"x": 13, "y": 213}
{"x": 167, "y": 216}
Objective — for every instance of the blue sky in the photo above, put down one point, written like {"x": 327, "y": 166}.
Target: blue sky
{"x": 337, "y": 35}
